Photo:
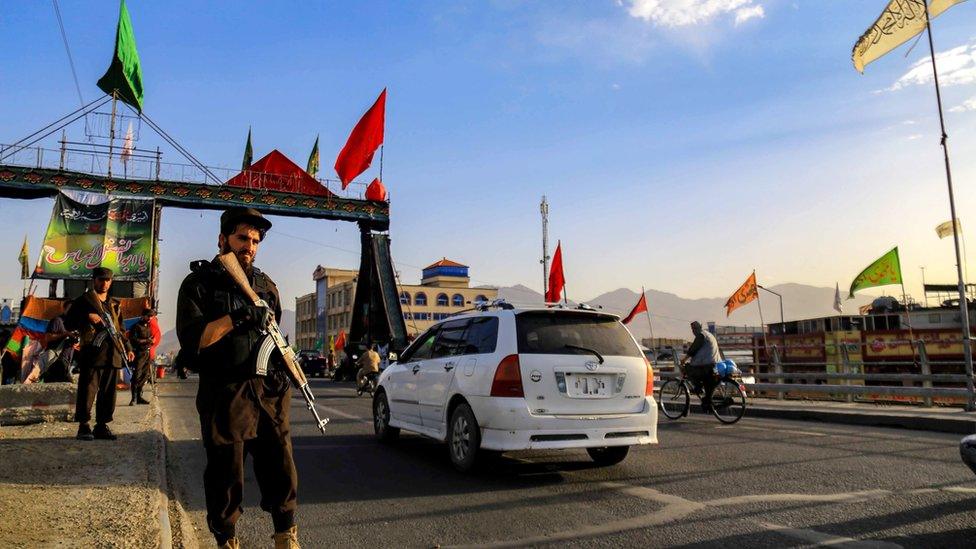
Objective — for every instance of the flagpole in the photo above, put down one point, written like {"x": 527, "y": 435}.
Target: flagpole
{"x": 963, "y": 305}
{"x": 111, "y": 132}
{"x": 908, "y": 318}
{"x": 649, "y": 326}
{"x": 762, "y": 323}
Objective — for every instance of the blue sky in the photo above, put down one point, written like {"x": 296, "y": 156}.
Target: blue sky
{"x": 679, "y": 148}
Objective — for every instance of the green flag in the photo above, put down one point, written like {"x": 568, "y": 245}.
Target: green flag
{"x": 24, "y": 271}
{"x": 248, "y": 152}
{"x": 313, "y": 159}
{"x": 124, "y": 75}
{"x": 886, "y": 270}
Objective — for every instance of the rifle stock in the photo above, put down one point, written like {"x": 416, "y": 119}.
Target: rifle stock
{"x": 236, "y": 272}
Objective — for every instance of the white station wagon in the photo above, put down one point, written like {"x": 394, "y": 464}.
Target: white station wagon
{"x": 501, "y": 379}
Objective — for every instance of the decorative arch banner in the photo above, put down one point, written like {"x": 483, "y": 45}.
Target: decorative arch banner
{"x": 80, "y": 237}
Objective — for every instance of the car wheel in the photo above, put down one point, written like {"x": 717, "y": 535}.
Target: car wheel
{"x": 463, "y": 438}
{"x": 608, "y": 455}
{"x": 381, "y": 419}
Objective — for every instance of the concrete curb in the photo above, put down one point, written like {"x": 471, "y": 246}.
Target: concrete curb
{"x": 183, "y": 527}
{"x": 162, "y": 508}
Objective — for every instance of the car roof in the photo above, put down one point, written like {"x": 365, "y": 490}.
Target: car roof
{"x": 517, "y": 310}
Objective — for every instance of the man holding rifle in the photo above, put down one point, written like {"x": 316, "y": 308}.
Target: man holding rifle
{"x": 243, "y": 409}
{"x": 95, "y": 316}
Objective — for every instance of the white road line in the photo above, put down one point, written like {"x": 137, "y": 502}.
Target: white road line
{"x": 820, "y": 539}
{"x": 340, "y": 413}
{"x": 793, "y": 431}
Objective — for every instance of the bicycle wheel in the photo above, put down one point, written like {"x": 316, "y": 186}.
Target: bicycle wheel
{"x": 728, "y": 401}
{"x": 674, "y": 399}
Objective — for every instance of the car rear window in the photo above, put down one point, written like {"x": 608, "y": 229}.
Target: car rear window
{"x": 550, "y": 332}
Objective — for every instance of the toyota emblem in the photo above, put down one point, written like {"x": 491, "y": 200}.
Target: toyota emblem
{"x": 592, "y": 366}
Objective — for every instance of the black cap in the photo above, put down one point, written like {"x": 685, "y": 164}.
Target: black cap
{"x": 232, "y": 216}
{"x": 101, "y": 272}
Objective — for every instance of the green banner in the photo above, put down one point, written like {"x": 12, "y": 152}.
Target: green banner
{"x": 80, "y": 237}
{"x": 886, "y": 270}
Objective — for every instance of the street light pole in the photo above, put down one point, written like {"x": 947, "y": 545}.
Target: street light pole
{"x": 782, "y": 320}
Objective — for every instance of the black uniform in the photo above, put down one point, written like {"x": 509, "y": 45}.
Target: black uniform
{"x": 240, "y": 412}
{"x": 99, "y": 360}
{"x": 140, "y": 336}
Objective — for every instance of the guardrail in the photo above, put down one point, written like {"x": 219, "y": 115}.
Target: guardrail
{"x": 845, "y": 378}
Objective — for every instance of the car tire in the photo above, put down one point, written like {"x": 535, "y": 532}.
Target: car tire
{"x": 381, "y": 419}
{"x": 608, "y": 455}
{"x": 463, "y": 438}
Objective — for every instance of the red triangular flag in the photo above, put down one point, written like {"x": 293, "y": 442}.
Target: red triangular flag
{"x": 556, "y": 279}
{"x": 340, "y": 342}
{"x": 641, "y": 307}
{"x": 365, "y": 138}
{"x": 376, "y": 191}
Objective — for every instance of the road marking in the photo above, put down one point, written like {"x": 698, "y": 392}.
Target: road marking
{"x": 843, "y": 497}
{"x": 820, "y": 539}
{"x": 793, "y": 431}
{"x": 345, "y": 415}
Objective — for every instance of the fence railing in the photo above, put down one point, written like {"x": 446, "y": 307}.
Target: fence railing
{"x": 844, "y": 377}
{"x": 148, "y": 165}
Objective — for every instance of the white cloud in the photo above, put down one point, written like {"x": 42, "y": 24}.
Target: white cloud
{"x": 968, "y": 105}
{"x": 681, "y": 13}
{"x": 914, "y": 136}
{"x": 956, "y": 66}
{"x": 752, "y": 12}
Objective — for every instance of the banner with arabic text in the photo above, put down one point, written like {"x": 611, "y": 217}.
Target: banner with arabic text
{"x": 80, "y": 237}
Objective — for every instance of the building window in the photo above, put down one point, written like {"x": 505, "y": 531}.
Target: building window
{"x": 404, "y": 298}
{"x": 457, "y": 300}
{"x": 420, "y": 299}
{"x": 480, "y": 298}
{"x": 442, "y": 300}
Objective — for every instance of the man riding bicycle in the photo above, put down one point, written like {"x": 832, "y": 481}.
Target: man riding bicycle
{"x": 703, "y": 354}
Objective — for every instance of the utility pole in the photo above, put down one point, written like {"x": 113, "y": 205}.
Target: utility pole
{"x": 544, "y": 210}
{"x": 925, "y": 294}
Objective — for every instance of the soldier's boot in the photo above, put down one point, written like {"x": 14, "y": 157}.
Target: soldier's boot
{"x": 139, "y": 399}
{"x": 231, "y": 543}
{"x": 132, "y": 401}
{"x": 287, "y": 539}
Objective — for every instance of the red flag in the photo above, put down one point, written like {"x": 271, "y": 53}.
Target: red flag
{"x": 376, "y": 191}
{"x": 340, "y": 342}
{"x": 556, "y": 278}
{"x": 365, "y": 138}
{"x": 641, "y": 307}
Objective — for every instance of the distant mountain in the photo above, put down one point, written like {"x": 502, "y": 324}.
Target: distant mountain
{"x": 670, "y": 314}
{"x": 170, "y": 343}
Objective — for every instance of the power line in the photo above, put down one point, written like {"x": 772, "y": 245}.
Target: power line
{"x": 67, "y": 49}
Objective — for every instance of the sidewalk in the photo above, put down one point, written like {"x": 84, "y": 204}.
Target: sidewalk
{"x": 941, "y": 419}
{"x": 58, "y": 491}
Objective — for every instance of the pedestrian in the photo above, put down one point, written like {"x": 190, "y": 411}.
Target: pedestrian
{"x": 61, "y": 345}
{"x": 95, "y": 316}
{"x": 241, "y": 411}
{"x": 141, "y": 338}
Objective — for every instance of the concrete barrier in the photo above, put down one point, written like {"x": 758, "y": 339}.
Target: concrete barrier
{"x": 37, "y": 402}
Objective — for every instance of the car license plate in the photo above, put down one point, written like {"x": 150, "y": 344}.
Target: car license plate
{"x": 589, "y": 386}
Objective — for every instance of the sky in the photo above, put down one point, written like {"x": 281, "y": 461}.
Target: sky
{"x": 680, "y": 144}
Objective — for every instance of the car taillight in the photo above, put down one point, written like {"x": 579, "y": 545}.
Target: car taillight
{"x": 508, "y": 378}
{"x": 649, "y": 387}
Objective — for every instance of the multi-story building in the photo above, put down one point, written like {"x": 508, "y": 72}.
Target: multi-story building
{"x": 444, "y": 290}
{"x": 305, "y": 314}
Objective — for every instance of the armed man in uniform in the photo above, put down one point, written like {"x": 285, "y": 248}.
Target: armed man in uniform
{"x": 241, "y": 411}
{"x": 141, "y": 339}
{"x": 95, "y": 316}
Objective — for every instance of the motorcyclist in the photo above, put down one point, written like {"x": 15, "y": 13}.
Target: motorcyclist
{"x": 703, "y": 354}
{"x": 369, "y": 363}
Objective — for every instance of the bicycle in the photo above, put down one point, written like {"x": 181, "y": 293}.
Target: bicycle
{"x": 728, "y": 403}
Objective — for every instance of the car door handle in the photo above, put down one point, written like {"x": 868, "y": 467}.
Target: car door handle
{"x": 416, "y": 368}
{"x": 449, "y": 366}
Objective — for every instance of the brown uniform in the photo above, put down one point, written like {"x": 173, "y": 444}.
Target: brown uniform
{"x": 140, "y": 336}
{"x": 240, "y": 412}
{"x": 99, "y": 360}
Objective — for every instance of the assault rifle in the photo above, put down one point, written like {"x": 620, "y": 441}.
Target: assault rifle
{"x": 112, "y": 331}
{"x": 273, "y": 340}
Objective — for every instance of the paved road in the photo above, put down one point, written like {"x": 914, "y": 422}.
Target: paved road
{"x": 760, "y": 483}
